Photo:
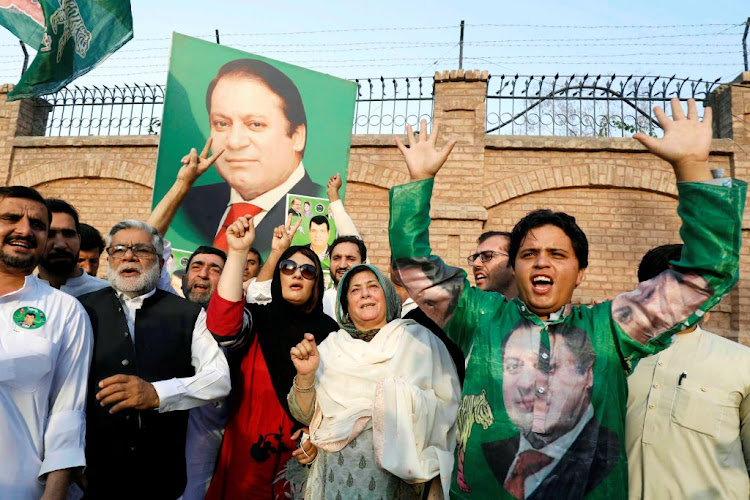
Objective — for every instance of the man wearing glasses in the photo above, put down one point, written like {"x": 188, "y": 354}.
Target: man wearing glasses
{"x": 153, "y": 359}
{"x": 490, "y": 264}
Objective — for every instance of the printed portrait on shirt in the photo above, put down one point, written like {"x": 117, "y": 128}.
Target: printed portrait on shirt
{"x": 547, "y": 395}
{"x": 282, "y": 129}
{"x": 660, "y": 303}
{"x": 433, "y": 285}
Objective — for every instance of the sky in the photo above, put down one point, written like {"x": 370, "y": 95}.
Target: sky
{"x": 395, "y": 38}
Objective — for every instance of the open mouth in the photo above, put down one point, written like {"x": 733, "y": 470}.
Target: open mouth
{"x": 479, "y": 277}
{"x": 200, "y": 286}
{"x": 295, "y": 287}
{"x": 541, "y": 284}
{"x": 367, "y": 306}
{"x": 128, "y": 273}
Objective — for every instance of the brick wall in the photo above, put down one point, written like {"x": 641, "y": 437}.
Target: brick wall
{"x": 623, "y": 197}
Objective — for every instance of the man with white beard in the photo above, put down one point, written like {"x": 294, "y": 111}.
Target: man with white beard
{"x": 152, "y": 350}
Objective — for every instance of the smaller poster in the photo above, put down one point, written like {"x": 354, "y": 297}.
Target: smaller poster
{"x": 316, "y": 230}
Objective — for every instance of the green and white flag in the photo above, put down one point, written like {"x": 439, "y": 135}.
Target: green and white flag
{"x": 71, "y": 37}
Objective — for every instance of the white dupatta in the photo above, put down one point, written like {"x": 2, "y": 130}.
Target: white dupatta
{"x": 403, "y": 384}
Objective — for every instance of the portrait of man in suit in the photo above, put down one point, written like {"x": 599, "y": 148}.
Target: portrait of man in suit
{"x": 562, "y": 450}
{"x": 258, "y": 122}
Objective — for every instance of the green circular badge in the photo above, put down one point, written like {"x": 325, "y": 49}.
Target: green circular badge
{"x": 29, "y": 317}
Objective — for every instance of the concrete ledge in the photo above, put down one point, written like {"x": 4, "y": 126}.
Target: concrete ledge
{"x": 623, "y": 144}
{"x": 87, "y": 141}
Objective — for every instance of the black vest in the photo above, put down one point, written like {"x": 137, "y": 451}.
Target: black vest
{"x": 131, "y": 449}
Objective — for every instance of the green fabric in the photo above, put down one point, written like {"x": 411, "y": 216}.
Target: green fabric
{"x": 26, "y": 25}
{"x": 78, "y": 36}
{"x": 480, "y": 321}
{"x": 393, "y": 301}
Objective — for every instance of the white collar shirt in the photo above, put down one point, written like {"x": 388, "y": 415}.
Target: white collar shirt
{"x": 267, "y": 200}
{"x": 555, "y": 449}
{"x": 44, "y": 366}
{"x": 81, "y": 285}
{"x": 211, "y": 379}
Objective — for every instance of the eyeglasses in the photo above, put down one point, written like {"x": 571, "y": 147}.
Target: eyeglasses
{"x": 140, "y": 250}
{"x": 485, "y": 256}
{"x": 288, "y": 267}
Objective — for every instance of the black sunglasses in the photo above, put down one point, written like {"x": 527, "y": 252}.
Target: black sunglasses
{"x": 288, "y": 267}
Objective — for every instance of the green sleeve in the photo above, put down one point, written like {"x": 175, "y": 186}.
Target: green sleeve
{"x": 440, "y": 290}
{"x": 708, "y": 268}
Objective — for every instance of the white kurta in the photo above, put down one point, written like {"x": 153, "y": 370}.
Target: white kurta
{"x": 81, "y": 285}
{"x": 44, "y": 366}
{"x": 687, "y": 430}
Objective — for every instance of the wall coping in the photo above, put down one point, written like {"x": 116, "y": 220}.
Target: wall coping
{"x": 718, "y": 146}
{"x": 86, "y": 141}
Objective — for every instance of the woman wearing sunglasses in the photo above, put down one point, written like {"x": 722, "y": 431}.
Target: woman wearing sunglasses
{"x": 380, "y": 395}
{"x": 257, "y": 458}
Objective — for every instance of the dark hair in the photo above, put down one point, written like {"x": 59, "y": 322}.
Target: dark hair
{"x": 257, "y": 253}
{"x": 544, "y": 217}
{"x": 491, "y": 234}
{"x": 350, "y": 239}
{"x": 91, "y": 238}
{"x": 58, "y": 206}
{"x": 315, "y": 302}
{"x": 320, "y": 219}
{"x": 25, "y": 193}
{"x": 207, "y": 250}
{"x": 656, "y": 261}
{"x": 276, "y": 81}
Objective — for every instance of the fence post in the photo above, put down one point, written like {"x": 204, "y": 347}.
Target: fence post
{"x": 17, "y": 118}
{"x": 459, "y": 107}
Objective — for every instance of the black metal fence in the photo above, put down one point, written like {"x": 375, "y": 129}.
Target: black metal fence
{"x": 387, "y": 105}
{"x": 119, "y": 110}
{"x": 383, "y": 106}
{"x": 590, "y": 106}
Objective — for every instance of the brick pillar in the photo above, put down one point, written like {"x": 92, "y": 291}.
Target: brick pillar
{"x": 459, "y": 108}
{"x": 731, "y": 104}
{"x": 18, "y": 118}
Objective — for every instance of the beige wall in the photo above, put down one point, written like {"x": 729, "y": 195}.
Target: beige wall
{"x": 623, "y": 197}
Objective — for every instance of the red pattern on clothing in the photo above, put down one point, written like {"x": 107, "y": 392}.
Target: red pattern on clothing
{"x": 256, "y": 423}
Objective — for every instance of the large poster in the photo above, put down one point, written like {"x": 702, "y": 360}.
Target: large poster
{"x": 283, "y": 129}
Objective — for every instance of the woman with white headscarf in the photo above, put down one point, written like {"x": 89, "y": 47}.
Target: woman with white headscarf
{"x": 381, "y": 396}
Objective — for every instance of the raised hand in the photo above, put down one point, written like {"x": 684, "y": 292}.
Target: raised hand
{"x": 305, "y": 358}
{"x": 334, "y": 184}
{"x": 423, "y": 159}
{"x": 686, "y": 143}
{"x": 282, "y": 239}
{"x": 241, "y": 234}
{"x": 194, "y": 165}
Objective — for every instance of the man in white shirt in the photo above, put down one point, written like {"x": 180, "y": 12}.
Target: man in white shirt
{"x": 59, "y": 264}
{"x": 152, "y": 352}
{"x": 687, "y": 427}
{"x": 45, "y": 350}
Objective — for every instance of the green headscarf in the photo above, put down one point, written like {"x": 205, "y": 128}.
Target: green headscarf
{"x": 392, "y": 301}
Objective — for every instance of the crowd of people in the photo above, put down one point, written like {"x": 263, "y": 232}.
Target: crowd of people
{"x": 276, "y": 376}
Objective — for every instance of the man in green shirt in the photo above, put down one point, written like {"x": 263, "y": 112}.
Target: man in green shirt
{"x": 543, "y": 406}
